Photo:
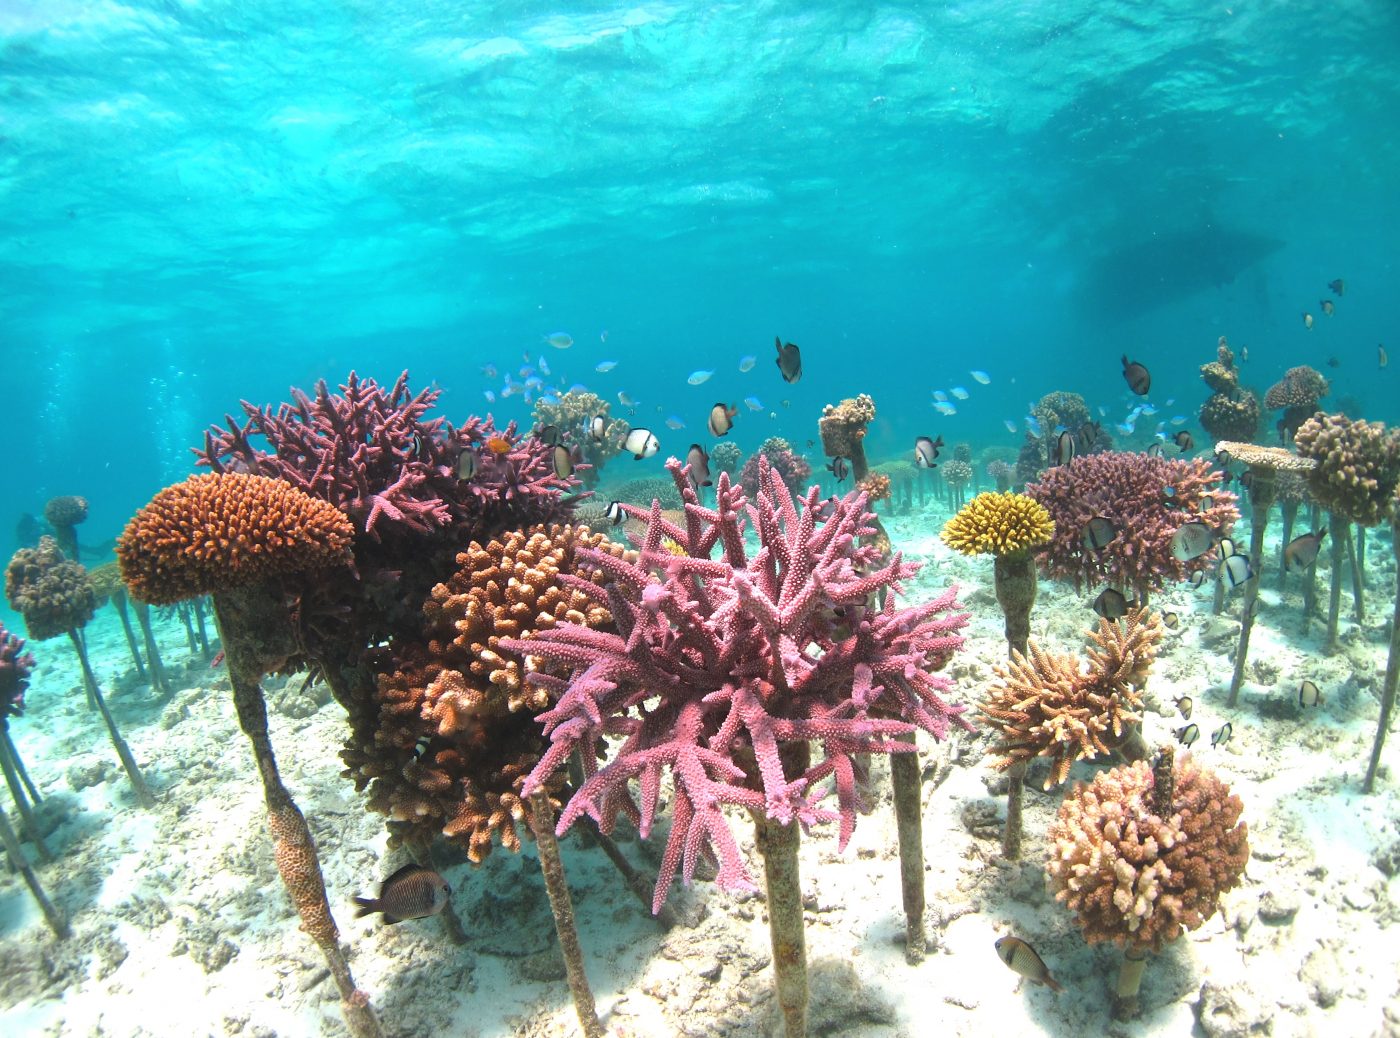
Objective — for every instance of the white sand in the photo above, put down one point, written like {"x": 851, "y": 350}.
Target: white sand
{"x": 182, "y": 928}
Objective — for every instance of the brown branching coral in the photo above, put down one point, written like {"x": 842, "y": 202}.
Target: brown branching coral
{"x": 217, "y": 532}
{"x": 875, "y": 486}
{"x": 449, "y": 735}
{"x": 1139, "y": 878}
{"x": 1358, "y": 465}
{"x": 1296, "y": 394}
{"x": 64, "y": 513}
{"x": 1051, "y": 706}
{"x": 53, "y": 594}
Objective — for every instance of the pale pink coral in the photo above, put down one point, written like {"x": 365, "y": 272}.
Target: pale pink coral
{"x": 716, "y": 663}
{"x": 1148, "y": 499}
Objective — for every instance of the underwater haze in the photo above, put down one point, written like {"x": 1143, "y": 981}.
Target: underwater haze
{"x": 208, "y": 202}
{"x": 599, "y": 620}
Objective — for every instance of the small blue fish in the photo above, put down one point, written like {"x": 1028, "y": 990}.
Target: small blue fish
{"x": 534, "y": 382}
{"x": 699, "y": 378}
{"x": 982, "y": 377}
{"x": 1010, "y": 425}
{"x": 1126, "y": 428}
{"x": 526, "y": 371}
{"x": 544, "y": 367}
{"x": 604, "y": 366}
{"x": 1147, "y": 409}
{"x": 944, "y": 408}
{"x": 624, "y": 399}
{"x": 959, "y": 392}
{"x": 1178, "y": 419}
{"x": 489, "y": 370}
{"x": 1033, "y": 424}
{"x": 674, "y": 423}
{"x": 578, "y": 387}
{"x": 747, "y": 362}
{"x": 753, "y": 403}
{"x": 559, "y": 340}
{"x": 490, "y": 396}
{"x": 603, "y": 335}
{"x": 940, "y": 396}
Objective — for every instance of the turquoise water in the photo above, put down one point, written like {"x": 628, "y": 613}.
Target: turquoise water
{"x": 202, "y": 202}
{"x": 209, "y": 202}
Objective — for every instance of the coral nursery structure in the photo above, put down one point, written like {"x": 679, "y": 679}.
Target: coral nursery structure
{"x": 1142, "y": 854}
{"x": 750, "y": 658}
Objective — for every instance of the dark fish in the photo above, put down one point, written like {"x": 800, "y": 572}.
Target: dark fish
{"x": 1183, "y": 440}
{"x": 1380, "y": 355}
{"x": 1334, "y": 362}
{"x": 1221, "y": 735}
{"x": 1188, "y": 734}
{"x": 615, "y": 513}
{"x": 1185, "y": 705}
{"x": 1137, "y": 376}
{"x": 1064, "y": 448}
{"x": 1098, "y": 532}
{"x": 1197, "y": 578}
{"x": 1191, "y": 541}
{"x": 563, "y": 461}
{"x": 1111, "y": 604}
{"x": 466, "y": 465}
{"x": 549, "y": 435}
{"x": 413, "y": 892}
{"x": 640, "y": 443}
{"x": 1154, "y": 451}
{"x": 789, "y": 360}
{"x": 722, "y": 419}
{"x": 926, "y": 451}
{"x": 1338, "y": 287}
{"x": 839, "y": 469}
{"x": 1170, "y": 621}
{"x": 1328, "y": 307}
{"x": 1236, "y": 570}
{"x": 1309, "y": 694}
{"x": 1307, "y": 321}
{"x": 699, "y": 463}
{"x": 1089, "y": 434}
{"x": 1302, "y": 550}
{"x": 597, "y": 428}
{"x": 1022, "y": 959}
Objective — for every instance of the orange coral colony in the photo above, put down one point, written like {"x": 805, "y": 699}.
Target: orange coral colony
{"x": 215, "y": 532}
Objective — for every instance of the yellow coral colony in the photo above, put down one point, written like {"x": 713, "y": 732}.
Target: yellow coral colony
{"x": 999, "y": 524}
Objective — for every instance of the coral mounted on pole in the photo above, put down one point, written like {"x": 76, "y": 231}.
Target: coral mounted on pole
{"x": 727, "y": 672}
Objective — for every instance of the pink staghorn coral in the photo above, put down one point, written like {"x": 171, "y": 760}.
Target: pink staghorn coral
{"x": 376, "y": 456}
{"x": 1147, "y": 498}
{"x": 717, "y": 663}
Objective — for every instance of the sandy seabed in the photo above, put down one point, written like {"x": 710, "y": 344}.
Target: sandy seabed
{"x": 182, "y": 928}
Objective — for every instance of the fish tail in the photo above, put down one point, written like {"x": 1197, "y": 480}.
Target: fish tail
{"x": 1052, "y": 984}
{"x": 365, "y": 905}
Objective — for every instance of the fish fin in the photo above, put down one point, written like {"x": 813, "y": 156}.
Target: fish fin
{"x": 407, "y": 870}
{"x": 366, "y": 905}
{"x": 1051, "y": 983}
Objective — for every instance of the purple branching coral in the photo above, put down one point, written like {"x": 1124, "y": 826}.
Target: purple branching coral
{"x": 715, "y": 664}
{"x": 15, "y": 667}
{"x": 376, "y": 456}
